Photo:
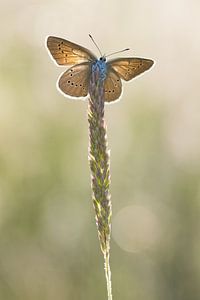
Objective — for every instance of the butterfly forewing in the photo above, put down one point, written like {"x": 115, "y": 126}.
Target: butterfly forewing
{"x": 112, "y": 85}
{"x": 74, "y": 81}
{"x": 128, "y": 68}
{"x": 68, "y": 53}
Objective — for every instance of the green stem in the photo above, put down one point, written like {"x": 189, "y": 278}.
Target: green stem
{"x": 108, "y": 275}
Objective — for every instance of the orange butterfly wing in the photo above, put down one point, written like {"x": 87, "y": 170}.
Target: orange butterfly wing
{"x": 74, "y": 82}
{"x": 128, "y": 68}
{"x": 67, "y": 53}
{"x": 112, "y": 85}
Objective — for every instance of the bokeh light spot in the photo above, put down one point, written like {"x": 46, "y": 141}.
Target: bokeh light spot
{"x": 136, "y": 228}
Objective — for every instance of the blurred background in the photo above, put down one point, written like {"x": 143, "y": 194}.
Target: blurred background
{"x": 48, "y": 240}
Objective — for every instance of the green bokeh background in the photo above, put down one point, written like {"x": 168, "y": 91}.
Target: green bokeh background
{"x": 48, "y": 241}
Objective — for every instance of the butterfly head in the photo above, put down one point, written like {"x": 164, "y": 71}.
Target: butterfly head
{"x": 103, "y": 58}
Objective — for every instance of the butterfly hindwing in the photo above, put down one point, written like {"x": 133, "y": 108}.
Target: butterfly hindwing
{"x": 128, "y": 68}
{"x": 74, "y": 82}
{"x": 68, "y": 53}
{"x": 112, "y": 85}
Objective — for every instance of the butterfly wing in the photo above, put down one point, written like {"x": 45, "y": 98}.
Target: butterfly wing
{"x": 68, "y": 53}
{"x": 74, "y": 82}
{"x": 112, "y": 85}
{"x": 128, "y": 68}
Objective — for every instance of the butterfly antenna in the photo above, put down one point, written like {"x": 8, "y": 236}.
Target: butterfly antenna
{"x": 95, "y": 44}
{"x": 118, "y": 52}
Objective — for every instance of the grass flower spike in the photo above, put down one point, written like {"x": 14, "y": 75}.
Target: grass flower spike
{"x": 100, "y": 168}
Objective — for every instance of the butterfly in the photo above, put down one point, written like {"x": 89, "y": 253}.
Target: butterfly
{"x": 75, "y": 81}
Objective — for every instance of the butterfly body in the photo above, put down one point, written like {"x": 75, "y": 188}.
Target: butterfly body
{"x": 100, "y": 66}
{"x": 75, "y": 81}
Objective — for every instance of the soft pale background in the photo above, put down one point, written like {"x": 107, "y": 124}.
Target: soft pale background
{"x": 48, "y": 241}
